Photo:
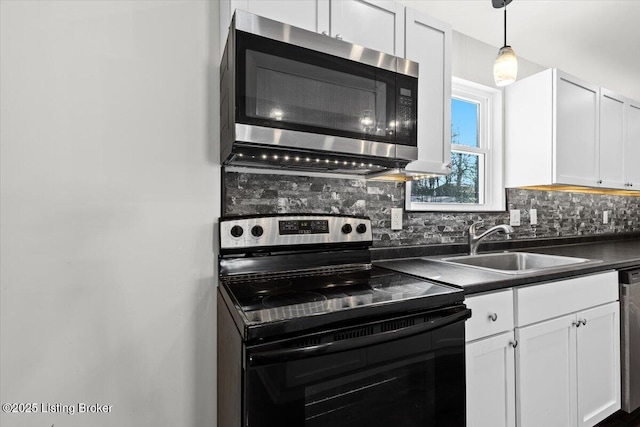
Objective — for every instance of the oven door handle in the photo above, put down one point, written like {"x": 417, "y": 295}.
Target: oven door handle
{"x": 267, "y": 357}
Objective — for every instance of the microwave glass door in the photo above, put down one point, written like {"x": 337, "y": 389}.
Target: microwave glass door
{"x": 286, "y": 86}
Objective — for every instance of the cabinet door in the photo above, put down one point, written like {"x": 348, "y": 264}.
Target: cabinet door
{"x": 632, "y": 153}
{"x": 598, "y": 364}
{"x": 429, "y": 43}
{"x": 546, "y": 375}
{"x": 312, "y": 15}
{"x": 374, "y": 24}
{"x": 612, "y": 124}
{"x": 576, "y": 131}
{"x": 491, "y": 396}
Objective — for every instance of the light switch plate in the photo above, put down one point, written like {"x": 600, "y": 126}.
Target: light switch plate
{"x": 514, "y": 217}
{"x": 396, "y": 218}
{"x": 533, "y": 216}
{"x": 605, "y": 217}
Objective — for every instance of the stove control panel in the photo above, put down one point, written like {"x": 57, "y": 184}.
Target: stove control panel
{"x": 287, "y": 230}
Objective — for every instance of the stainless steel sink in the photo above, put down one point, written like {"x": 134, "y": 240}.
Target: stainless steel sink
{"x": 516, "y": 262}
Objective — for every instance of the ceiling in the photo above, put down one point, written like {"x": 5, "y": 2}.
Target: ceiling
{"x": 595, "y": 40}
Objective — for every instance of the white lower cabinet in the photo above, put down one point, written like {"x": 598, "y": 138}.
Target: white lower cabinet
{"x": 545, "y": 354}
{"x": 568, "y": 369}
{"x": 545, "y": 375}
{"x": 491, "y": 395}
{"x": 568, "y": 357}
{"x": 598, "y": 361}
{"x": 490, "y": 360}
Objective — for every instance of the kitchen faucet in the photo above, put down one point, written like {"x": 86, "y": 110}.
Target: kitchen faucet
{"x": 474, "y": 239}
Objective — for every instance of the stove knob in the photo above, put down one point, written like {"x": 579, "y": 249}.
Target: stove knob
{"x": 236, "y": 231}
{"x": 346, "y": 229}
{"x": 257, "y": 231}
{"x": 361, "y": 228}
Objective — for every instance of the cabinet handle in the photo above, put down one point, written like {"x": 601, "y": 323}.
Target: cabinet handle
{"x": 325, "y": 33}
{"x": 448, "y": 165}
{"x": 584, "y": 322}
{"x": 493, "y": 316}
{"x": 599, "y": 181}
{"x": 577, "y": 324}
{"x": 338, "y": 36}
{"x": 513, "y": 343}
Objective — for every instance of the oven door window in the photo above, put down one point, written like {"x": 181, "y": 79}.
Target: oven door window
{"x": 284, "y": 86}
{"x": 415, "y": 381}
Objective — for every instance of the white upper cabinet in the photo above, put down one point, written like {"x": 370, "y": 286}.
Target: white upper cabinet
{"x": 632, "y": 151}
{"x": 612, "y": 139}
{"x": 576, "y": 136}
{"x": 619, "y": 141}
{"x": 562, "y": 130}
{"x": 551, "y": 131}
{"x": 375, "y": 24}
{"x": 428, "y": 43}
{"x": 312, "y": 15}
{"x": 378, "y": 25}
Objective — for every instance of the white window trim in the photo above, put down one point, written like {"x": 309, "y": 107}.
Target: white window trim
{"x": 491, "y": 113}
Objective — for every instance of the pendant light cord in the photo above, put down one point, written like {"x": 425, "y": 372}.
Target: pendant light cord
{"x": 505, "y": 23}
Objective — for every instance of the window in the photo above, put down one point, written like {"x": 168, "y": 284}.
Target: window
{"x": 475, "y": 182}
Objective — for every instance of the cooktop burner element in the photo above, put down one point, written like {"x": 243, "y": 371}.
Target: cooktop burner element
{"x": 270, "y": 285}
{"x": 289, "y": 305}
{"x": 310, "y": 299}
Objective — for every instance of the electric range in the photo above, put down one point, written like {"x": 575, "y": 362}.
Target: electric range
{"x": 311, "y": 334}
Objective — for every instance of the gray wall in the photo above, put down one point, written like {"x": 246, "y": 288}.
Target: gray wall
{"x": 108, "y": 196}
{"x": 560, "y": 214}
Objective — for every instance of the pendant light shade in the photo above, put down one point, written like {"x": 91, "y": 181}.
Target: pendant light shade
{"x": 505, "y": 69}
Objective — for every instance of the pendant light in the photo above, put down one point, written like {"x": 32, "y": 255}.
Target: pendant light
{"x": 505, "y": 69}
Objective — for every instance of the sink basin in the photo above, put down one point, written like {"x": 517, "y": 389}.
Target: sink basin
{"x": 516, "y": 262}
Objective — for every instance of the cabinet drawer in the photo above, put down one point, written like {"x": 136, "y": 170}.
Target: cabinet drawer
{"x": 484, "y": 309}
{"x": 545, "y": 301}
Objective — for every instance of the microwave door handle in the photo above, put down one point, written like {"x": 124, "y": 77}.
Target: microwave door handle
{"x": 267, "y": 357}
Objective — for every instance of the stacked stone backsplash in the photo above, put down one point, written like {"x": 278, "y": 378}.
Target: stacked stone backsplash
{"x": 560, "y": 214}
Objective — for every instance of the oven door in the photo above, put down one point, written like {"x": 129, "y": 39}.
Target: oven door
{"x": 283, "y": 86}
{"x": 401, "y": 372}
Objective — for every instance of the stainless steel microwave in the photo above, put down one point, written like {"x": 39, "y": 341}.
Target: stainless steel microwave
{"x": 291, "y": 98}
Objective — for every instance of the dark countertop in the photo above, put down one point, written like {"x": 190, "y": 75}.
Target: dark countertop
{"x": 613, "y": 254}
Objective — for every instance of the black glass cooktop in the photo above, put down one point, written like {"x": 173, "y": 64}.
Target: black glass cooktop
{"x": 304, "y": 301}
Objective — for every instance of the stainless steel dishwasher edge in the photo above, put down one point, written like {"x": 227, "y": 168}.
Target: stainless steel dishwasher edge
{"x": 630, "y": 338}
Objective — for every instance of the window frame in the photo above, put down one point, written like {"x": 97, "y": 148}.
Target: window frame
{"x": 490, "y": 146}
